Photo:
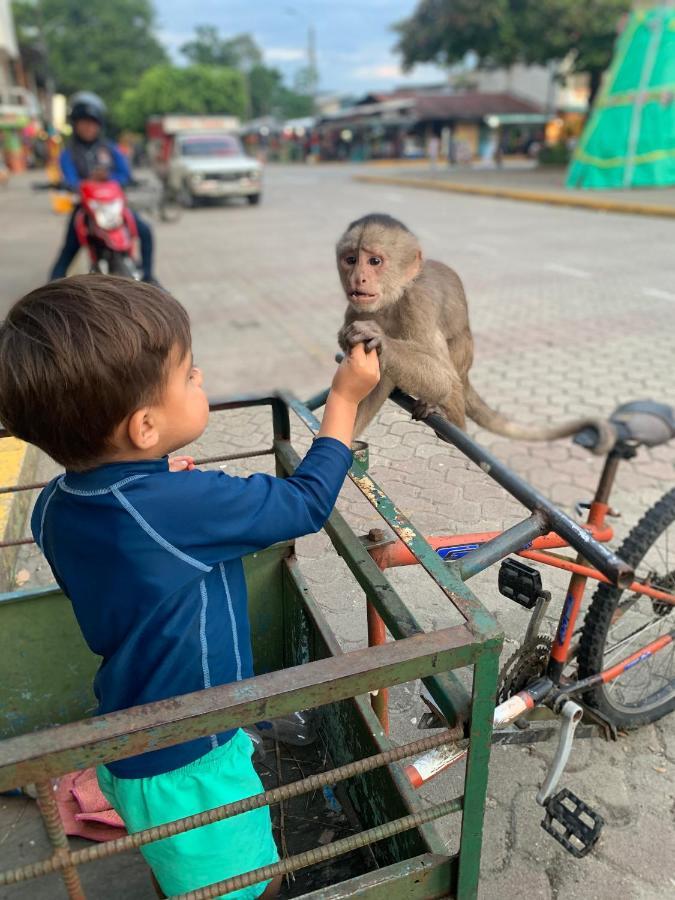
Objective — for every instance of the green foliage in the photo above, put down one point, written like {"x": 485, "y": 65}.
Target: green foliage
{"x": 95, "y": 45}
{"x": 207, "y": 48}
{"x": 504, "y": 32}
{"x": 267, "y": 95}
{"x": 199, "y": 90}
{"x": 554, "y": 155}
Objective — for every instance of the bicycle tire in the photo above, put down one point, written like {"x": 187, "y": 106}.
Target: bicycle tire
{"x": 594, "y": 638}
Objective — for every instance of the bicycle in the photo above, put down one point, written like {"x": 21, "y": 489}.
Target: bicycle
{"x": 617, "y": 669}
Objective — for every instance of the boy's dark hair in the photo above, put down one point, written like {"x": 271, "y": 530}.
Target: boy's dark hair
{"x": 79, "y": 355}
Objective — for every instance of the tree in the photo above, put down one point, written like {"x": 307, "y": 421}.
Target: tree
{"x": 207, "y": 48}
{"x": 197, "y": 90}
{"x": 95, "y": 46}
{"x": 505, "y": 32}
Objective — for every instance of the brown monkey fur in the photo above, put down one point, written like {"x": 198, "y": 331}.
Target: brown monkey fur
{"x": 414, "y": 313}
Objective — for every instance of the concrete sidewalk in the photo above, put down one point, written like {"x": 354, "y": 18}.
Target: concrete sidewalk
{"x": 525, "y": 183}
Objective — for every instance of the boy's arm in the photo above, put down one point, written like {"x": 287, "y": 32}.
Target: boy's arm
{"x": 240, "y": 515}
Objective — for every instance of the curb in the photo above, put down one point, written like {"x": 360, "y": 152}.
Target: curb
{"x": 18, "y": 463}
{"x": 554, "y": 199}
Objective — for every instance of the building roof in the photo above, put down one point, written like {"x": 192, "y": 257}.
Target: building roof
{"x": 408, "y": 107}
{"x": 472, "y": 105}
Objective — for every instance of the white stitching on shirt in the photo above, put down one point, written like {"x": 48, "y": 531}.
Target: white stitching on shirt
{"x": 150, "y": 531}
{"x": 233, "y": 621}
{"x": 97, "y": 493}
{"x": 205, "y": 647}
{"x": 44, "y": 511}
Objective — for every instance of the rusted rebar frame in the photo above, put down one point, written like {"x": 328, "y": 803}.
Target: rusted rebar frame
{"x": 43, "y": 755}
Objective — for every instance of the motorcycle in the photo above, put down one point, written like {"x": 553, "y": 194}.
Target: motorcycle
{"x": 106, "y": 228}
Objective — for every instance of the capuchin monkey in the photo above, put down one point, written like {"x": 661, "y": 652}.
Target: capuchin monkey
{"x": 413, "y": 312}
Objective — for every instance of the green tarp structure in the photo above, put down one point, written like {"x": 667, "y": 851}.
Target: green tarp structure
{"x": 629, "y": 140}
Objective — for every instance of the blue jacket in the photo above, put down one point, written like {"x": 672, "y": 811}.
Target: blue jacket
{"x": 72, "y": 174}
{"x": 151, "y": 561}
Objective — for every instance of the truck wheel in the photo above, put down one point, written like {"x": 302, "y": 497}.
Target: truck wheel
{"x": 185, "y": 197}
{"x": 254, "y": 199}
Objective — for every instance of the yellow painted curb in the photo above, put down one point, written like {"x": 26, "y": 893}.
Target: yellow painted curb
{"x": 18, "y": 462}
{"x": 555, "y": 199}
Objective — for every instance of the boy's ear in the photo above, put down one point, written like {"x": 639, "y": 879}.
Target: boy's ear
{"x": 142, "y": 430}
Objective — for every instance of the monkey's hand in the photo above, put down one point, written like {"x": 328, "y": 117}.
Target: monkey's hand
{"x": 367, "y": 333}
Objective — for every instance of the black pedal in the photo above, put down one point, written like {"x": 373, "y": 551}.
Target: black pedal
{"x": 572, "y": 823}
{"x": 519, "y": 582}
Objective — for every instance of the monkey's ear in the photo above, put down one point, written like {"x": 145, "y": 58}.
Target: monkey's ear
{"x": 419, "y": 256}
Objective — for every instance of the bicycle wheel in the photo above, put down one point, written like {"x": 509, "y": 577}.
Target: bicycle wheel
{"x": 618, "y": 623}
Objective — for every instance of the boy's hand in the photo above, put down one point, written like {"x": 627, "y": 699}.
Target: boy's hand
{"x": 181, "y": 463}
{"x": 357, "y": 375}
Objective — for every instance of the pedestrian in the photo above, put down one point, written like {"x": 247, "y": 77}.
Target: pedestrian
{"x": 98, "y": 373}
{"x": 433, "y": 149}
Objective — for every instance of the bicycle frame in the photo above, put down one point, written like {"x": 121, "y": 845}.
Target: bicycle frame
{"x": 458, "y": 546}
{"x": 472, "y": 553}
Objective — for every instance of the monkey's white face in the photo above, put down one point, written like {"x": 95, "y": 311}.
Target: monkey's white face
{"x": 362, "y": 271}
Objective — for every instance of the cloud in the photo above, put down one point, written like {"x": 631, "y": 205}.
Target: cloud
{"x": 284, "y": 54}
{"x": 383, "y": 72}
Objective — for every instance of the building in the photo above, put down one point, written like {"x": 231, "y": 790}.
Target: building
{"x": 18, "y": 107}
{"x": 404, "y": 122}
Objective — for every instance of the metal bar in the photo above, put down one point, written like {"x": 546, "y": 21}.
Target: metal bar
{"x": 619, "y": 668}
{"x": 55, "y": 751}
{"x": 395, "y": 553}
{"x": 206, "y": 460}
{"x": 418, "y": 878}
{"x": 377, "y": 637}
{"x": 510, "y": 541}
{"x": 58, "y": 839}
{"x": 318, "y": 400}
{"x": 618, "y": 572}
{"x": 482, "y": 624}
{"x": 226, "y": 811}
{"x": 569, "y": 565}
{"x": 446, "y": 689}
{"x": 328, "y": 851}
{"x": 485, "y": 674}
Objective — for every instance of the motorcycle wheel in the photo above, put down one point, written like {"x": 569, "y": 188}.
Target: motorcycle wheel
{"x": 124, "y": 267}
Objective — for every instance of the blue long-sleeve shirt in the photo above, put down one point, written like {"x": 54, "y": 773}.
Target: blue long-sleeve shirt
{"x": 119, "y": 169}
{"x": 151, "y": 561}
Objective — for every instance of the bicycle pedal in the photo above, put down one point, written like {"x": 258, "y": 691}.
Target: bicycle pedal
{"x": 572, "y": 823}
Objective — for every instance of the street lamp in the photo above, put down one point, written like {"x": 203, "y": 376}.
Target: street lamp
{"x": 312, "y": 70}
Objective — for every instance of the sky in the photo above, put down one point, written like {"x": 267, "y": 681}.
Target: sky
{"x": 354, "y": 39}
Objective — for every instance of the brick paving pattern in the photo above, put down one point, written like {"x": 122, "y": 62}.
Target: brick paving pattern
{"x": 573, "y": 312}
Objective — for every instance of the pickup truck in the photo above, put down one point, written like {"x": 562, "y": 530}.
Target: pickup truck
{"x": 207, "y": 163}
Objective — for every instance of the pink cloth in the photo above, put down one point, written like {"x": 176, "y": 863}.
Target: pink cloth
{"x": 84, "y": 810}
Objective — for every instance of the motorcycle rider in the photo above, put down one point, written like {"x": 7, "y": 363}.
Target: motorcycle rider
{"x": 87, "y": 155}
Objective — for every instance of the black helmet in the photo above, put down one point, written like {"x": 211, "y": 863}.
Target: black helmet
{"x": 85, "y": 105}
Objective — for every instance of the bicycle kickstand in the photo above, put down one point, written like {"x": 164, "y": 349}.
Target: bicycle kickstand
{"x": 568, "y": 819}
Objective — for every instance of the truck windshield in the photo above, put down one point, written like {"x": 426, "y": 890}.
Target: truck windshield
{"x": 211, "y": 146}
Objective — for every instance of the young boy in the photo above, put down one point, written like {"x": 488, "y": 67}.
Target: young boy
{"x": 98, "y": 373}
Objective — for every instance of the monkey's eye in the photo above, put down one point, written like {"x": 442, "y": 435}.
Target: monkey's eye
{"x": 374, "y": 261}
{"x": 350, "y": 260}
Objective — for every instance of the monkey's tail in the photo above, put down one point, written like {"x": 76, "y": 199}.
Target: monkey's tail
{"x": 483, "y": 415}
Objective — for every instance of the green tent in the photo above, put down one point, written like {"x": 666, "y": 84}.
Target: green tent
{"x": 629, "y": 140}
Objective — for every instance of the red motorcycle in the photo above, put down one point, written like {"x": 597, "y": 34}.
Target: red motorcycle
{"x": 106, "y": 228}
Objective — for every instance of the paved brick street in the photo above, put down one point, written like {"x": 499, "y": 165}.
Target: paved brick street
{"x": 572, "y": 312}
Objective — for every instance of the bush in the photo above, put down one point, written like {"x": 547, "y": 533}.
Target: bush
{"x": 554, "y": 155}
{"x": 195, "y": 90}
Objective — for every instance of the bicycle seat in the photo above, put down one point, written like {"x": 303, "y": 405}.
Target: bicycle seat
{"x": 639, "y": 422}
{"x": 644, "y": 422}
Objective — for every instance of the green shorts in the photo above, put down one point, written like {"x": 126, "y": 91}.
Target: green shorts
{"x": 204, "y": 855}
